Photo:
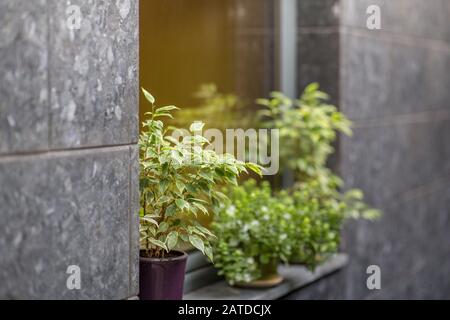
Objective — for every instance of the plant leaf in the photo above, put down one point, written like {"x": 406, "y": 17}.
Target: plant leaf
{"x": 255, "y": 168}
{"x": 181, "y": 204}
{"x": 149, "y": 219}
{"x": 172, "y": 240}
{"x": 158, "y": 243}
{"x": 209, "y": 253}
{"x": 205, "y": 231}
{"x": 180, "y": 185}
{"x": 163, "y": 227}
{"x": 165, "y": 109}
{"x": 148, "y": 96}
{"x": 197, "y": 127}
{"x": 197, "y": 243}
{"x": 201, "y": 207}
{"x": 171, "y": 210}
{"x": 163, "y": 185}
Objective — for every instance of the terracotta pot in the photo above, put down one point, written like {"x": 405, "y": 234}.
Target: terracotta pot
{"x": 162, "y": 279}
{"x": 269, "y": 277}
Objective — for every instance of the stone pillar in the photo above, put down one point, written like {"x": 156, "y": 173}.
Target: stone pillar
{"x": 394, "y": 86}
{"x": 393, "y": 83}
{"x": 68, "y": 148}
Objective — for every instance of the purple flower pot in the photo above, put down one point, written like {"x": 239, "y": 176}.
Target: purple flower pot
{"x": 162, "y": 279}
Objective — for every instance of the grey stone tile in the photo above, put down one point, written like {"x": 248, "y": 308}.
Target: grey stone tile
{"x": 196, "y": 261}
{"x": 387, "y": 161}
{"x": 134, "y": 221}
{"x": 395, "y": 90}
{"x": 410, "y": 244}
{"x": 318, "y": 13}
{"x": 93, "y": 72}
{"x": 62, "y": 210}
{"x": 384, "y": 243}
{"x": 382, "y": 78}
{"x": 331, "y": 287}
{"x": 416, "y": 18}
{"x": 318, "y": 60}
{"x": 365, "y": 75}
{"x": 23, "y": 76}
{"x": 200, "y": 278}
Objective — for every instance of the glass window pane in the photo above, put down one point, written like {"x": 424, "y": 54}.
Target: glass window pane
{"x": 187, "y": 44}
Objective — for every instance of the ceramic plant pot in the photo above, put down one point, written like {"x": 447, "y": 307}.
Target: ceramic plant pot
{"x": 162, "y": 279}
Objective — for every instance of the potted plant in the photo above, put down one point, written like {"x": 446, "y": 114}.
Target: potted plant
{"x": 326, "y": 214}
{"x": 254, "y": 235}
{"x": 178, "y": 182}
{"x": 309, "y": 128}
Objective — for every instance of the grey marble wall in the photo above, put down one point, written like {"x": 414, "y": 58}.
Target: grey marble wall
{"x": 318, "y": 49}
{"x": 68, "y": 154}
{"x": 394, "y": 86}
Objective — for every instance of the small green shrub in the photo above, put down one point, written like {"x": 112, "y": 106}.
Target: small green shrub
{"x": 308, "y": 128}
{"x": 254, "y": 230}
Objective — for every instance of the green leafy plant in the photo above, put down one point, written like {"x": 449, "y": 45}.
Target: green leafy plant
{"x": 308, "y": 129}
{"x": 319, "y": 217}
{"x": 258, "y": 228}
{"x": 219, "y": 110}
{"x": 178, "y": 182}
{"x": 254, "y": 232}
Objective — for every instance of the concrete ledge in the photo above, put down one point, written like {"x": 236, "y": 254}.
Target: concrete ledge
{"x": 295, "y": 277}
{"x": 196, "y": 261}
{"x": 200, "y": 278}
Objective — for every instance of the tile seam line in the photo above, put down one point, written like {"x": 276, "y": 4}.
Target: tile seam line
{"x": 49, "y": 80}
{"x": 130, "y": 220}
{"x": 431, "y": 116}
{"x": 430, "y": 188}
{"x": 397, "y": 38}
{"x": 318, "y": 30}
{"x": 63, "y": 152}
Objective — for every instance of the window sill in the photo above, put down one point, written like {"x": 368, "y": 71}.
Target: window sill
{"x": 295, "y": 277}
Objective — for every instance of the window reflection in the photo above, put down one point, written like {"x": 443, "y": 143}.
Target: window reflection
{"x": 198, "y": 53}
